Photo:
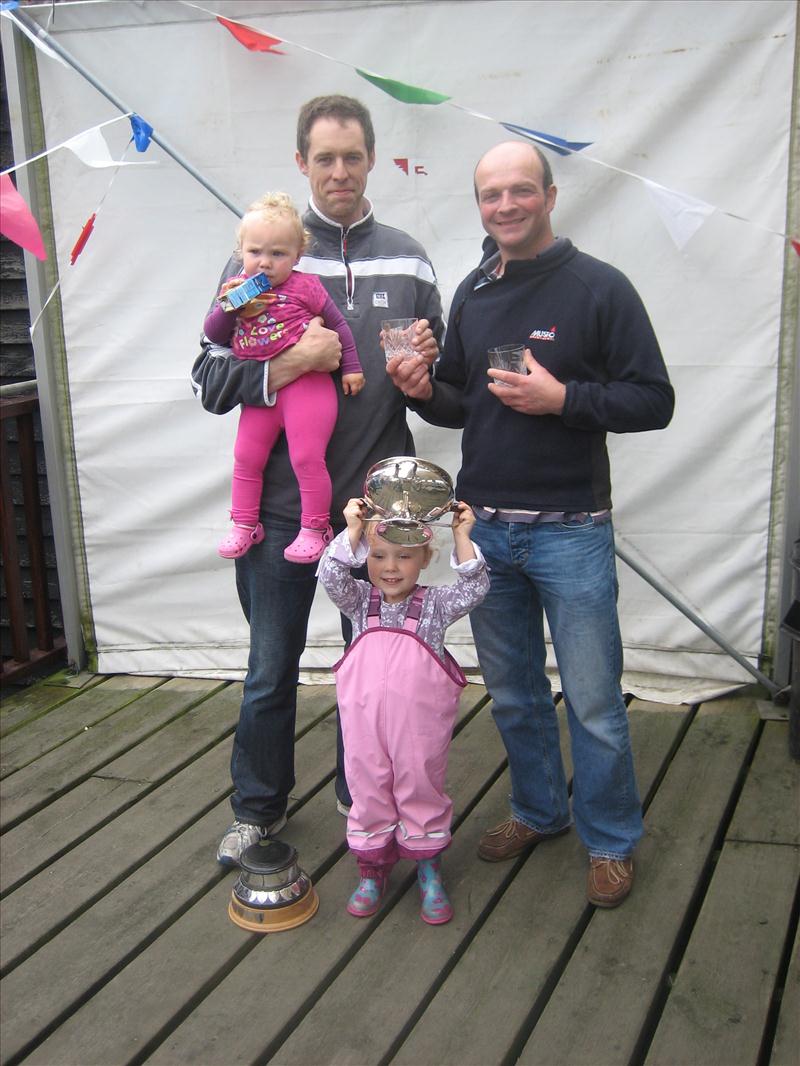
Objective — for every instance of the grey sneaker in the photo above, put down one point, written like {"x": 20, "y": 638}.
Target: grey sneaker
{"x": 241, "y": 835}
{"x": 342, "y": 808}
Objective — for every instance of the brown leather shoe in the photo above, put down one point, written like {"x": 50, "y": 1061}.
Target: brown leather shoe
{"x": 610, "y": 881}
{"x": 509, "y": 839}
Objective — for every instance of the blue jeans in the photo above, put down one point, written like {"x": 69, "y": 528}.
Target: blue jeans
{"x": 276, "y": 598}
{"x": 567, "y": 571}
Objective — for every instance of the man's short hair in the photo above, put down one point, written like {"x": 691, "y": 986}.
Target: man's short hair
{"x": 547, "y": 170}
{"x": 343, "y": 109}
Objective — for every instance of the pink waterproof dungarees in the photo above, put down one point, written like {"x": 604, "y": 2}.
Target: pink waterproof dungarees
{"x": 398, "y": 703}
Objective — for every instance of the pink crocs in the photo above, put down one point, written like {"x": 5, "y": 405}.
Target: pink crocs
{"x": 308, "y": 545}
{"x": 239, "y": 541}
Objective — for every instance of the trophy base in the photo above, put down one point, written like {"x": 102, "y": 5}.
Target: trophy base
{"x": 273, "y": 920}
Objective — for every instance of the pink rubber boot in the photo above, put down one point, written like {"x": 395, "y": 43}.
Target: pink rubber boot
{"x": 436, "y": 908}
{"x": 366, "y": 899}
{"x": 374, "y": 868}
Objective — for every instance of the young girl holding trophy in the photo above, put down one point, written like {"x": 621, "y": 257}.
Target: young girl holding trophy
{"x": 398, "y": 691}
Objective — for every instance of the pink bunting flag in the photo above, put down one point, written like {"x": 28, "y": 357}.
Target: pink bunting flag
{"x": 16, "y": 221}
{"x": 250, "y": 38}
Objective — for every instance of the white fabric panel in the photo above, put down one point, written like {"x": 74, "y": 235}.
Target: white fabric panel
{"x": 693, "y": 95}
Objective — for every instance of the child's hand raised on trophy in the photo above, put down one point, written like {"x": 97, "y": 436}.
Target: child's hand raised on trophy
{"x": 355, "y": 515}
{"x": 463, "y": 521}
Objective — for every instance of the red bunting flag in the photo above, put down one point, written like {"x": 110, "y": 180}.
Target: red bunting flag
{"x": 796, "y": 246}
{"x": 250, "y": 38}
{"x": 16, "y": 221}
{"x": 80, "y": 244}
{"x": 403, "y": 163}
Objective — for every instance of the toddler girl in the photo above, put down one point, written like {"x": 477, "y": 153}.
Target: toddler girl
{"x": 398, "y": 691}
{"x": 271, "y": 241}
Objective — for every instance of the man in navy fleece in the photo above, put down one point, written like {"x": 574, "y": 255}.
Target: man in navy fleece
{"x": 535, "y": 469}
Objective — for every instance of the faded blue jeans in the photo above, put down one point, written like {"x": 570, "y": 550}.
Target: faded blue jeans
{"x": 566, "y": 571}
{"x": 276, "y": 598}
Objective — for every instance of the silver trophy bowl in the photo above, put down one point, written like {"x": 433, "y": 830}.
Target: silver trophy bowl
{"x": 406, "y": 494}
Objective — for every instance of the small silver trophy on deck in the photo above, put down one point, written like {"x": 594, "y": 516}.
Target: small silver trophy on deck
{"x": 271, "y": 892}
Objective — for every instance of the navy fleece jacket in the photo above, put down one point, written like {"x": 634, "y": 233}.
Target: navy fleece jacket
{"x": 584, "y": 322}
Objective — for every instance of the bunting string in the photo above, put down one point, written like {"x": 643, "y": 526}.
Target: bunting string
{"x": 79, "y": 145}
{"x": 16, "y": 220}
{"x": 41, "y": 40}
{"x": 681, "y": 214}
{"x": 84, "y": 235}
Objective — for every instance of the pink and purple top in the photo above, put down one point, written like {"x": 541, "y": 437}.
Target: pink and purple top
{"x": 277, "y": 319}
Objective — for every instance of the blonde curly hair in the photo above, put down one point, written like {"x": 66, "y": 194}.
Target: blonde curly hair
{"x": 372, "y": 537}
{"x": 271, "y": 207}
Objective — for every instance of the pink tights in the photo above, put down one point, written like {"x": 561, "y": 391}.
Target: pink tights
{"x": 306, "y": 410}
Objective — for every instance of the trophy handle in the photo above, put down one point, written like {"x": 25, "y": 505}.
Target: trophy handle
{"x": 439, "y": 511}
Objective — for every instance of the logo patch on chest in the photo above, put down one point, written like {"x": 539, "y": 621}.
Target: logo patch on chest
{"x": 543, "y": 334}
{"x": 380, "y": 299}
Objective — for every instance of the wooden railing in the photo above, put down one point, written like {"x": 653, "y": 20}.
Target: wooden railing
{"x": 24, "y": 658}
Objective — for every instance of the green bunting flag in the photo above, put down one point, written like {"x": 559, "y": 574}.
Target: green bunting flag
{"x": 406, "y": 94}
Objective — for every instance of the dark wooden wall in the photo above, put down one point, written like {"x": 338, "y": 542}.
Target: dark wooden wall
{"x": 16, "y": 364}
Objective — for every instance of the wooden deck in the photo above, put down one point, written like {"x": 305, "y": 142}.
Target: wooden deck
{"x": 117, "y": 947}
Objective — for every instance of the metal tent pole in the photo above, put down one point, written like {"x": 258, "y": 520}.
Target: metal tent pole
{"x": 709, "y": 630}
{"x": 37, "y": 31}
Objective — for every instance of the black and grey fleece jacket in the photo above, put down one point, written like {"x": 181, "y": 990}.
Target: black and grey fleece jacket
{"x": 584, "y": 321}
{"x": 372, "y": 272}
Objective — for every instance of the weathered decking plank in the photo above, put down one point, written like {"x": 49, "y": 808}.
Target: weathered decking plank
{"x": 33, "y": 913}
{"x": 403, "y": 960}
{"x": 44, "y": 987}
{"x": 129, "y": 955}
{"x": 767, "y": 810}
{"x": 506, "y": 967}
{"x": 38, "y": 783}
{"x": 22, "y": 708}
{"x": 601, "y": 1002}
{"x": 215, "y": 1019}
{"x": 787, "y": 1033}
{"x": 721, "y": 995}
{"x": 70, "y": 719}
{"x": 159, "y": 978}
{"x": 311, "y": 953}
{"x": 46, "y": 835}
{"x": 719, "y": 1000}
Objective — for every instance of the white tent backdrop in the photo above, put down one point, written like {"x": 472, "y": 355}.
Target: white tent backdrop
{"x": 695, "y": 96}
